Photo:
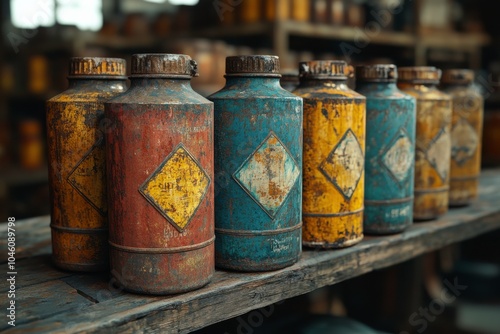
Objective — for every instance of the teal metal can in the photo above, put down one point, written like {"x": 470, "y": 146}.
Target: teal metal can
{"x": 258, "y": 168}
{"x": 390, "y": 150}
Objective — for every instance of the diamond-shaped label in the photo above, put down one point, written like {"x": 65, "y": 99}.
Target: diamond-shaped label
{"x": 268, "y": 174}
{"x": 88, "y": 178}
{"x": 177, "y": 187}
{"x": 399, "y": 158}
{"x": 438, "y": 154}
{"x": 345, "y": 164}
{"x": 464, "y": 141}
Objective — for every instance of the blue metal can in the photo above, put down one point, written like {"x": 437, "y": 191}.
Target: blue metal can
{"x": 390, "y": 150}
{"x": 258, "y": 167}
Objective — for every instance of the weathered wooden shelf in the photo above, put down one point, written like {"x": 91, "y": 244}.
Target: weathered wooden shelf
{"x": 281, "y": 31}
{"x": 50, "y": 300}
{"x": 446, "y": 40}
{"x": 17, "y": 176}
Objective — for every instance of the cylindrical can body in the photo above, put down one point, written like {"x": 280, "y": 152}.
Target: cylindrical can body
{"x": 390, "y": 154}
{"x": 160, "y": 170}
{"x": 258, "y": 163}
{"x": 77, "y": 177}
{"x": 433, "y": 145}
{"x": 466, "y": 135}
{"x": 334, "y": 156}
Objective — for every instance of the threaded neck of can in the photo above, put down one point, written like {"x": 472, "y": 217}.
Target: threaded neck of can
{"x": 163, "y": 65}
{"x": 377, "y": 73}
{"x": 256, "y": 65}
{"x": 97, "y": 67}
{"x": 323, "y": 69}
{"x": 420, "y": 75}
{"x": 457, "y": 77}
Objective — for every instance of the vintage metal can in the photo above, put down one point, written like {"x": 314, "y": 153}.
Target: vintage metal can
{"x": 258, "y": 163}
{"x": 466, "y": 134}
{"x": 334, "y": 156}
{"x": 433, "y": 140}
{"x": 76, "y": 154}
{"x": 390, "y": 150}
{"x": 160, "y": 170}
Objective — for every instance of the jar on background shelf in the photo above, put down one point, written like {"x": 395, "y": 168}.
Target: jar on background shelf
{"x": 31, "y": 144}
{"x": 491, "y": 130}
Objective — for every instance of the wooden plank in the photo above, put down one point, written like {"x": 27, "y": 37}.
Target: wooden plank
{"x": 233, "y": 294}
{"x": 44, "y": 300}
{"x": 32, "y": 238}
{"x": 258, "y": 28}
{"x": 454, "y": 40}
{"x": 36, "y": 270}
{"x": 346, "y": 33}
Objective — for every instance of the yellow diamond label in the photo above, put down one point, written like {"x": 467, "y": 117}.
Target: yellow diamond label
{"x": 177, "y": 187}
{"x": 345, "y": 165}
{"x": 88, "y": 178}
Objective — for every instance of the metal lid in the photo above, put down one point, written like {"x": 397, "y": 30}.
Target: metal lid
{"x": 458, "y": 77}
{"x": 163, "y": 65}
{"x": 96, "y": 67}
{"x": 420, "y": 74}
{"x": 377, "y": 73}
{"x": 253, "y": 65}
{"x": 323, "y": 69}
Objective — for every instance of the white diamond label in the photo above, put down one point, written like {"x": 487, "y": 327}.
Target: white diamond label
{"x": 464, "y": 141}
{"x": 398, "y": 159}
{"x": 268, "y": 175}
{"x": 439, "y": 155}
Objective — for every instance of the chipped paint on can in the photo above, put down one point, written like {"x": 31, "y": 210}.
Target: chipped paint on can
{"x": 77, "y": 177}
{"x": 433, "y": 141}
{"x": 258, "y": 159}
{"x": 334, "y": 151}
{"x": 390, "y": 151}
{"x": 160, "y": 167}
{"x": 466, "y": 134}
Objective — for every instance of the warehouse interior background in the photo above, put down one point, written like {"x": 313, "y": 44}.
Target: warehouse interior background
{"x": 39, "y": 37}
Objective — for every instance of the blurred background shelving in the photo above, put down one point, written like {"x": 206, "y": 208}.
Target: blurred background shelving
{"x": 445, "y": 33}
{"x": 40, "y": 35}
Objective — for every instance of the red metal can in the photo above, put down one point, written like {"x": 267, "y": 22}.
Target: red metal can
{"x": 160, "y": 172}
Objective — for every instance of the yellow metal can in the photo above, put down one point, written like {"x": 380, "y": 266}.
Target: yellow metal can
{"x": 433, "y": 142}
{"x": 334, "y": 153}
{"x": 466, "y": 133}
{"x": 77, "y": 176}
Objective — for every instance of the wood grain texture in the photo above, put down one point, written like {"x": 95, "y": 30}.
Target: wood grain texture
{"x": 94, "y": 304}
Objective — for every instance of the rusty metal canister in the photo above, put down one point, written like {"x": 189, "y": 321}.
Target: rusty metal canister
{"x": 466, "y": 135}
{"x": 334, "y": 156}
{"x": 160, "y": 170}
{"x": 258, "y": 163}
{"x": 76, "y": 154}
{"x": 433, "y": 140}
{"x": 390, "y": 150}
